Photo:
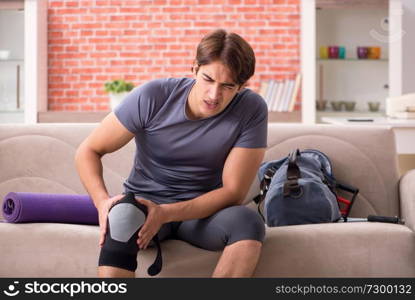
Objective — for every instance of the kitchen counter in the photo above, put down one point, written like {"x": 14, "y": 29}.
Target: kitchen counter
{"x": 404, "y": 129}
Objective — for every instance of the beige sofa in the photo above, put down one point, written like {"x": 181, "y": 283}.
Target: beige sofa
{"x": 40, "y": 158}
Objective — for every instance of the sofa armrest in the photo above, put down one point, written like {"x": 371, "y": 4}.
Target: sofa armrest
{"x": 407, "y": 198}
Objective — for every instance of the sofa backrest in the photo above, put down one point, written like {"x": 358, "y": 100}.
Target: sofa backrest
{"x": 40, "y": 159}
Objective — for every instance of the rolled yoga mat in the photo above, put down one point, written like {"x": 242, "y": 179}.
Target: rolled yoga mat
{"x": 55, "y": 208}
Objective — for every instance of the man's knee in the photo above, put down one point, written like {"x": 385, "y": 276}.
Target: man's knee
{"x": 120, "y": 246}
{"x": 243, "y": 224}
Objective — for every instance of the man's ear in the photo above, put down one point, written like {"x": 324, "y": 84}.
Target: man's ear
{"x": 195, "y": 69}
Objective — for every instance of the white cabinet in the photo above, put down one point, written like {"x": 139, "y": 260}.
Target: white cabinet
{"x": 11, "y": 63}
{"x": 353, "y": 23}
{"x": 23, "y": 72}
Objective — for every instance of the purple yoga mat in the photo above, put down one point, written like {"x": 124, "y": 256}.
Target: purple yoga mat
{"x": 55, "y": 208}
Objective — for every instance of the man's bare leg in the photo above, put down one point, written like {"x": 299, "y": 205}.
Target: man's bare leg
{"x": 238, "y": 259}
{"x": 113, "y": 272}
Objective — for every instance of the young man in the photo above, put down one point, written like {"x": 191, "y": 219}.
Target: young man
{"x": 199, "y": 144}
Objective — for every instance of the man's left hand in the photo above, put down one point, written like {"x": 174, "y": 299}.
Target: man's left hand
{"x": 155, "y": 219}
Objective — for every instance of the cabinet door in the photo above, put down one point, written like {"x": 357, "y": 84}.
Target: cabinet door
{"x": 11, "y": 62}
{"x": 11, "y": 85}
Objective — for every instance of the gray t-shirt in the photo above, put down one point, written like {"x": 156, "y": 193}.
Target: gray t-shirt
{"x": 178, "y": 158}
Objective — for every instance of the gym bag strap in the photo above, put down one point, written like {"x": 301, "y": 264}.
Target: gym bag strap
{"x": 291, "y": 186}
{"x": 263, "y": 189}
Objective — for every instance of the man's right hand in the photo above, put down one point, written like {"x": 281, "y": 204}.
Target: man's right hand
{"x": 103, "y": 215}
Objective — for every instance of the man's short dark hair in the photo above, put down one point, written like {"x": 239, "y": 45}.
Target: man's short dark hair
{"x": 229, "y": 48}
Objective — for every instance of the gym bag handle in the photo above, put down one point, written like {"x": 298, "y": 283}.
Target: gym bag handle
{"x": 291, "y": 186}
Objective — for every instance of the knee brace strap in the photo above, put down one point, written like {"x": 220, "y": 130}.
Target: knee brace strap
{"x": 125, "y": 219}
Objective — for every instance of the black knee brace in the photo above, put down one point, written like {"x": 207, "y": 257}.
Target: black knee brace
{"x": 125, "y": 219}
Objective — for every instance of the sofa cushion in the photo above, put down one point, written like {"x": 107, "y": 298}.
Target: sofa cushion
{"x": 67, "y": 250}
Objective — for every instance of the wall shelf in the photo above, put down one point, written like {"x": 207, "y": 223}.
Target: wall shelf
{"x": 11, "y": 60}
{"x": 284, "y": 117}
{"x": 336, "y": 4}
{"x": 352, "y": 59}
{"x": 71, "y": 117}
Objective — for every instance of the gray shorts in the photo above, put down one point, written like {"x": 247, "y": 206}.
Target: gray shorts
{"x": 225, "y": 227}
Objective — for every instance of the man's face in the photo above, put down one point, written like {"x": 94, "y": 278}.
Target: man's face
{"x": 213, "y": 90}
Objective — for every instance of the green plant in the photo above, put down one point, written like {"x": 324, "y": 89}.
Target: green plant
{"x": 118, "y": 86}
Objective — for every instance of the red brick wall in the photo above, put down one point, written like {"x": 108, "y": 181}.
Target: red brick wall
{"x": 93, "y": 41}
